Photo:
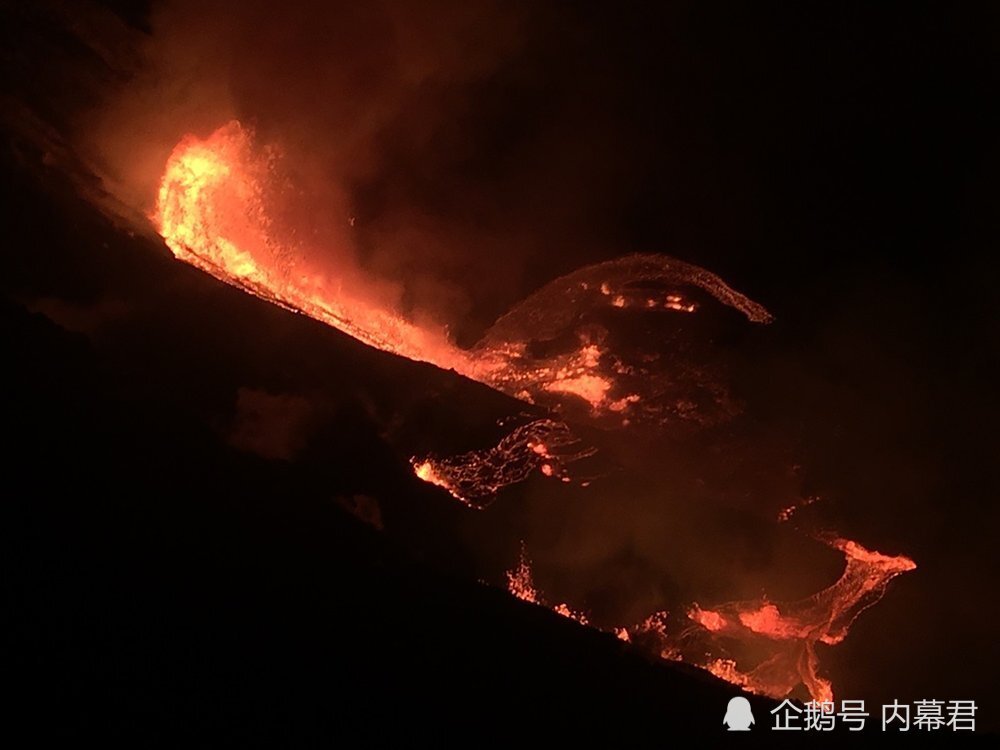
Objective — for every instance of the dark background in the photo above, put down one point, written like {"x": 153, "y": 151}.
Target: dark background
{"x": 837, "y": 165}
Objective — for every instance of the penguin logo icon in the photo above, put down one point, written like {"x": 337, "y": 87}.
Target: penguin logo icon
{"x": 739, "y": 717}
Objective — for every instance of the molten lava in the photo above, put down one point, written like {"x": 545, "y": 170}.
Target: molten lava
{"x": 782, "y": 636}
{"x": 789, "y": 632}
{"x": 214, "y": 211}
{"x": 475, "y": 477}
{"x": 521, "y": 585}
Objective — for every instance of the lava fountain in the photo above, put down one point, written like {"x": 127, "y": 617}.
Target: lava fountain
{"x": 212, "y": 212}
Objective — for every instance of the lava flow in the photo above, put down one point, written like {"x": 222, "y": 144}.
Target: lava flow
{"x": 212, "y": 211}
{"x": 779, "y": 638}
{"x": 474, "y": 477}
{"x": 554, "y": 350}
{"x": 788, "y": 632}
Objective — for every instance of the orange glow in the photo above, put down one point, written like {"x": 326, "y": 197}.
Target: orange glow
{"x": 520, "y": 583}
{"x": 708, "y": 619}
{"x": 591, "y": 388}
{"x": 564, "y": 610}
{"x": 725, "y": 669}
{"x": 679, "y": 307}
{"x": 786, "y": 514}
{"x": 784, "y": 635}
{"x": 213, "y": 212}
{"x": 790, "y": 631}
{"x": 475, "y": 477}
{"x": 767, "y": 620}
{"x": 425, "y": 471}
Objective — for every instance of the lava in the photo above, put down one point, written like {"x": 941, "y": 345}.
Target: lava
{"x": 214, "y": 211}
{"x": 521, "y": 585}
{"x": 520, "y": 582}
{"x": 783, "y": 636}
{"x": 475, "y": 477}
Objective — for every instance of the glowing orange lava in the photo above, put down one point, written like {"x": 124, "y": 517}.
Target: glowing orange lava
{"x": 785, "y": 634}
{"x": 521, "y": 584}
{"x": 789, "y": 632}
{"x": 212, "y": 210}
{"x": 475, "y": 477}
{"x": 212, "y": 213}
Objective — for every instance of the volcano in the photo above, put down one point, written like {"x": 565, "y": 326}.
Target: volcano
{"x": 384, "y": 373}
{"x": 195, "y": 574}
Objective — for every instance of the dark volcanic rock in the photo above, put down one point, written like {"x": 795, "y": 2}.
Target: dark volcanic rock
{"x": 161, "y": 582}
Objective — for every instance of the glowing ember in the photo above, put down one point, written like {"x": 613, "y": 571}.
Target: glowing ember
{"x": 709, "y": 620}
{"x": 725, "y": 669}
{"x": 591, "y": 388}
{"x": 521, "y": 585}
{"x": 786, "y": 514}
{"x": 652, "y": 636}
{"x": 425, "y": 470}
{"x": 564, "y": 610}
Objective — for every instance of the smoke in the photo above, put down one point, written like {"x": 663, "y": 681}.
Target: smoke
{"x": 464, "y": 154}
{"x": 451, "y": 158}
{"x": 273, "y": 426}
{"x": 368, "y": 109}
{"x": 455, "y": 155}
